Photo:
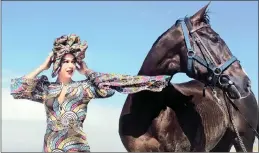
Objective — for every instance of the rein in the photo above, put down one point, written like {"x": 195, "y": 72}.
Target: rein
{"x": 238, "y": 110}
{"x": 215, "y": 72}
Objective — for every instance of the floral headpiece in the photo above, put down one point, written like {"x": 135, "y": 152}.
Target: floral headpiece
{"x": 67, "y": 44}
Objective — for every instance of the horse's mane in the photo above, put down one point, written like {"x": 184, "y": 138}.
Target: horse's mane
{"x": 205, "y": 19}
{"x": 160, "y": 37}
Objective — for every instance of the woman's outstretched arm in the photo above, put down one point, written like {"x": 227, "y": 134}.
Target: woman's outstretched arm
{"x": 92, "y": 90}
{"x": 107, "y": 83}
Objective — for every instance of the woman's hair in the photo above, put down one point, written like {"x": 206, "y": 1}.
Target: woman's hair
{"x": 67, "y": 44}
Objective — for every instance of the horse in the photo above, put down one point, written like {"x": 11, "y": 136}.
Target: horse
{"x": 188, "y": 116}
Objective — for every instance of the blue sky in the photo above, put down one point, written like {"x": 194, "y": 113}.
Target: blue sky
{"x": 119, "y": 34}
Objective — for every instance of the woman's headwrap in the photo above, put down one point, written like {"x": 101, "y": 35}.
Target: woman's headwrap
{"x": 67, "y": 44}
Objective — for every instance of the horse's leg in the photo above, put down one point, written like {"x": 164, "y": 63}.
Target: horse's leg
{"x": 226, "y": 142}
{"x": 145, "y": 144}
{"x": 223, "y": 146}
{"x": 248, "y": 141}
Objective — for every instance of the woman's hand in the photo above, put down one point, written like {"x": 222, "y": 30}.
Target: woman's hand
{"x": 46, "y": 65}
{"x": 82, "y": 69}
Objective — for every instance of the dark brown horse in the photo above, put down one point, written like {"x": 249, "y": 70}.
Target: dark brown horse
{"x": 180, "y": 118}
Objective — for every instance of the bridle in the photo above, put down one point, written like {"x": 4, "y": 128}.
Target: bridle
{"x": 214, "y": 72}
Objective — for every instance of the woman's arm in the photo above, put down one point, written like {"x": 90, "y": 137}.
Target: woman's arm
{"x": 93, "y": 92}
{"x": 42, "y": 67}
{"x": 31, "y": 86}
{"x": 90, "y": 74}
{"x": 34, "y": 73}
{"x": 105, "y": 84}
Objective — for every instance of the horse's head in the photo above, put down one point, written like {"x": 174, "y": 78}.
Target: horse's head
{"x": 191, "y": 46}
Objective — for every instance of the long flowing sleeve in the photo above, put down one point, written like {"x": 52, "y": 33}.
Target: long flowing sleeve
{"x": 127, "y": 84}
{"x": 31, "y": 89}
{"x": 94, "y": 92}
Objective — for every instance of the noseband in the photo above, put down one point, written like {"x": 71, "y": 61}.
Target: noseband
{"x": 214, "y": 72}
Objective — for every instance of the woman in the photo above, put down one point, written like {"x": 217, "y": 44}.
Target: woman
{"x": 66, "y": 100}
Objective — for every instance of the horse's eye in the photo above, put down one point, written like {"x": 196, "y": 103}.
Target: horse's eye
{"x": 215, "y": 38}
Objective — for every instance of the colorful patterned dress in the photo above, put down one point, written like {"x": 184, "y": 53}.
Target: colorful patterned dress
{"x": 65, "y": 119}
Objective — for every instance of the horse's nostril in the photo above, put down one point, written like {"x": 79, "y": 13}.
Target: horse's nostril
{"x": 249, "y": 84}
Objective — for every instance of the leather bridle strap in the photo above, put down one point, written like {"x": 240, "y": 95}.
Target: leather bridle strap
{"x": 207, "y": 60}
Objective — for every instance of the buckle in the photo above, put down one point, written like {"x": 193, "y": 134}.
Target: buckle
{"x": 190, "y": 53}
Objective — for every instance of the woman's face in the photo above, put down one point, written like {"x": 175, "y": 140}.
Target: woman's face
{"x": 68, "y": 66}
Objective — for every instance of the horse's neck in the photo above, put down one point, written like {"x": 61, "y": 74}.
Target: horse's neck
{"x": 150, "y": 69}
{"x": 147, "y": 69}
{"x": 152, "y": 63}
{"x": 153, "y": 66}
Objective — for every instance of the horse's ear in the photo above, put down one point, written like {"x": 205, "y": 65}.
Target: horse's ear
{"x": 200, "y": 14}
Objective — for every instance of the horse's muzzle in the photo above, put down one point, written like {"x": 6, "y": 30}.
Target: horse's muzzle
{"x": 233, "y": 92}
{"x": 231, "y": 88}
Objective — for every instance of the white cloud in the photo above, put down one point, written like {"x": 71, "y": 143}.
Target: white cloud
{"x": 13, "y": 109}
